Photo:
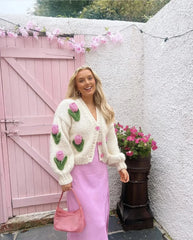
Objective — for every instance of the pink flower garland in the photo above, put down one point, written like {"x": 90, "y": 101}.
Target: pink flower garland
{"x": 32, "y": 29}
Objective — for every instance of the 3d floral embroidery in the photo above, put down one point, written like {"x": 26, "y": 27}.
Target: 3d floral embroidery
{"x": 74, "y": 111}
{"x": 78, "y": 143}
{"x": 55, "y": 133}
{"x": 60, "y": 160}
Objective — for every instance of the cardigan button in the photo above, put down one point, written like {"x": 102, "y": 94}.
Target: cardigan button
{"x": 97, "y": 128}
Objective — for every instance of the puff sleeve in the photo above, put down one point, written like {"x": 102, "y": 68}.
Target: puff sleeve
{"x": 115, "y": 157}
{"x": 61, "y": 154}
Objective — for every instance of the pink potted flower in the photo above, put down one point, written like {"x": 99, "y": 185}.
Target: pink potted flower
{"x": 135, "y": 140}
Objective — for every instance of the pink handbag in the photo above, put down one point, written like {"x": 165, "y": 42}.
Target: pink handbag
{"x": 69, "y": 221}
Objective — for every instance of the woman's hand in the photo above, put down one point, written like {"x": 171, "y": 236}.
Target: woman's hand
{"x": 124, "y": 176}
{"x": 66, "y": 187}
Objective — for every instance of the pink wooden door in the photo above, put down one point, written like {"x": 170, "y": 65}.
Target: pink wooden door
{"x": 34, "y": 78}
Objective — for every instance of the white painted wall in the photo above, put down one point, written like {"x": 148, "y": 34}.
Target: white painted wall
{"x": 149, "y": 83}
{"x": 168, "y": 115}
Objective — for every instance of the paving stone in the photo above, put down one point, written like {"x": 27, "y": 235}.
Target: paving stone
{"x": 6, "y": 236}
{"x": 147, "y": 234}
{"x": 114, "y": 224}
{"x": 47, "y": 232}
{"x": 42, "y": 233}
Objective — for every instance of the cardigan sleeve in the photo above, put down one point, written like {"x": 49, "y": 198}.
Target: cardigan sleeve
{"x": 115, "y": 157}
{"x": 61, "y": 154}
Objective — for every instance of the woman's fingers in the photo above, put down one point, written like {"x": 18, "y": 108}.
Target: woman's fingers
{"x": 124, "y": 175}
{"x": 66, "y": 187}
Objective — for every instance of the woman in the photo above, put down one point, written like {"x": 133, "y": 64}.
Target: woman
{"x": 83, "y": 141}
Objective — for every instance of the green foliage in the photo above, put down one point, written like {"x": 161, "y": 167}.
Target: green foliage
{"x": 60, "y": 8}
{"x": 127, "y": 10}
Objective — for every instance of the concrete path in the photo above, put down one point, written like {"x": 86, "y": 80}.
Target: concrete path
{"x": 47, "y": 232}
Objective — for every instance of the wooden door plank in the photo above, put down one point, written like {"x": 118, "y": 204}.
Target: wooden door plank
{"x": 37, "y": 200}
{"x": 44, "y": 53}
{"x": 31, "y": 82}
{"x": 34, "y": 154}
{"x": 5, "y": 199}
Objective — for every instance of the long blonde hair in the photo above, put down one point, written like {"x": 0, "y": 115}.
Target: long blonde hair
{"x": 99, "y": 97}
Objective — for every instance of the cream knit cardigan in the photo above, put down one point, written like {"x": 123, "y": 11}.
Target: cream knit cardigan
{"x": 75, "y": 134}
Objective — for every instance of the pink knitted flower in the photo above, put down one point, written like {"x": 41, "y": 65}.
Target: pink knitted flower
{"x": 73, "y": 107}
{"x": 60, "y": 155}
{"x": 78, "y": 139}
{"x": 55, "y": 129}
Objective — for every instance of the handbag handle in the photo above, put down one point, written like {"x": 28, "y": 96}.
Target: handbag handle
{"x": 74, "y": 195}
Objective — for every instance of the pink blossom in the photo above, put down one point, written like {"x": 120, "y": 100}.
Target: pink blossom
{"x": 60, "y": 42}
{"x": 99, "y": 143}
{"x": 78, "y": 48}
{"x": 60, "y": 155}
{"x": 153, "y": 142}
{"x": 55, "y": 129}
{"x": 35, "y": 35}
{"x": 103, "y": 39}
{"x": 121, "y": 126}
{"x": 50, "y": 36}
{"x": 23, "y": 32}
{"x": 30, "y": 25}
{"x": 78, "y": 139}
{"x": 37, "y": 28}
{"x": 94, "y": 45}
{"x": 154, "y": 147}
{"x": 96, "y": 39}
{"x": 73, "y": 107}
{"x": 137, "y": 140}
{"x": 116, "y": 38}
{"x": 56, "y": 31}
{"x": 2, "y": 33}
{"x": 11, "y": 34}
{"x": 140, "y": 134}
{"x": 102, "y": 155}
{"x": 130, "y": 138}
{"x": 71, "y": 43}
{"x": 145, "y": 139}
{"x": 126, "y": 128}
{"x": 129, "y": 153}
{"x": 133, "y": 130}
{"x": 116, "y": 130}
{"x": 127, "y": 148}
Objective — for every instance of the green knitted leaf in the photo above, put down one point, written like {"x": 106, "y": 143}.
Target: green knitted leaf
{"x": 56, "y": 137}
{"x": 74, "y": 115}
{"x": 60, "y": 164}
{"x": 78, "y": 147}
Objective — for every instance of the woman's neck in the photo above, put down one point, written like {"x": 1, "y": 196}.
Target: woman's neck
{"x": 89, "y": 101}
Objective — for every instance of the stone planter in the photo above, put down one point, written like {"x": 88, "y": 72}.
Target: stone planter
{"x": 133, "y": 208}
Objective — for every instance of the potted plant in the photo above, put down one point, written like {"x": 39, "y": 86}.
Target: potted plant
{"x": 133, "y": 208}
